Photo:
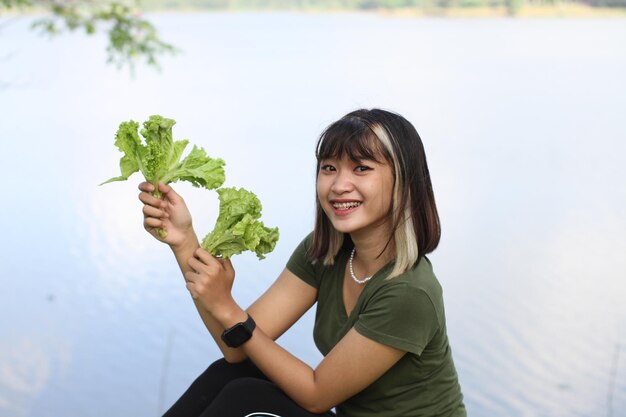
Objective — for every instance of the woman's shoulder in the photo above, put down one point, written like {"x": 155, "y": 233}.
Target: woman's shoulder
{"x": 419, "y": 279}
{"x": 301, "y": 265}
{"x": 302, "y": 254}
{"x": 304, "y": 245}
{"x": 420, "y": 275}
{"x": 410, "y": 304}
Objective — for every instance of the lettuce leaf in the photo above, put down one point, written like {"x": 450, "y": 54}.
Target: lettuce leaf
{"x": 238, "y": 227}
{"x": 159, "y": 159}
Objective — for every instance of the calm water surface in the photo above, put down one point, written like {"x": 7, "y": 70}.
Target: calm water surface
{"x": 523, "y": 122}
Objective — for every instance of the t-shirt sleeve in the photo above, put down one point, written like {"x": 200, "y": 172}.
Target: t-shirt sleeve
{"x": 300, "y": 266}
{"x": 400, "y": 316}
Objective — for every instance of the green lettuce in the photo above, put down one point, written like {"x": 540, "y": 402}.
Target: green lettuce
{"x": 238, "y": 227}
{"x": 159, "y": 159}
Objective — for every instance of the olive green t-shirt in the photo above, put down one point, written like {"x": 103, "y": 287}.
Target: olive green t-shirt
{"x": 405, "y": 312}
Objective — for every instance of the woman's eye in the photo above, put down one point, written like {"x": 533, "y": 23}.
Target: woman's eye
{"x": 362, "y": 168}
{"x": 327, "y": 168}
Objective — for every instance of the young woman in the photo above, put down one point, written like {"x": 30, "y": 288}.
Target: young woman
{"x": 380, "y": 320}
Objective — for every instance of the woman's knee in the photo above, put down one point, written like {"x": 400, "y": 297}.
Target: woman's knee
{"x": 250, "y": 386}
{"x": 246, "y": 395}
{"x": 249, "y": 396}
{"x": 223, "y": 372}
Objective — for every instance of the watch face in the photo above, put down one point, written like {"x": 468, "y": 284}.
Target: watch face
{"x": 236, "y": 336}
{"x": 239, "y": 333}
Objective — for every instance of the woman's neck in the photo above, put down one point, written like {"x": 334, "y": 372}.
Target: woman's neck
{"x": 372, "y": 253}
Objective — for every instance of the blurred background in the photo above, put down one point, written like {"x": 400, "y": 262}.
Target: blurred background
{"x": 521, "y": 107}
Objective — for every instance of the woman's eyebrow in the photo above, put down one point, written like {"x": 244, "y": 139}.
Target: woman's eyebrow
{"x": 362, "y": 159}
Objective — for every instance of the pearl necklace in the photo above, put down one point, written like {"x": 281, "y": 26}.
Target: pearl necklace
{"x": 358, "y": 281}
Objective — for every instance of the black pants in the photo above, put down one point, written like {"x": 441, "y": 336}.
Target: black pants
{"x": 236, "y": 390}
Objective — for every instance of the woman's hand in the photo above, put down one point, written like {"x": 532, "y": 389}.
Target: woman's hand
{"x": 169, "y": 214}
{"x": 210, "y": 282}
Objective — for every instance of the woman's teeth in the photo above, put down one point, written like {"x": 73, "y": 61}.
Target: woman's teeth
{"x": 345, "y": 206}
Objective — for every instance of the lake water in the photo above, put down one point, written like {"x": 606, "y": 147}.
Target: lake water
{"x": 525, "y": 131}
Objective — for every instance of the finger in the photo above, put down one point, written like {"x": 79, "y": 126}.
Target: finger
{"x": 204, "y": 256}
{"x": 226, "y": 264}
{"x": 196, "y": 265}
{"x": 164, "y": 188}
{"x": 190, "y": 276}
{"x": 146, "y": 186}
{"x": 152, "y": 223}
{"x": 169, "y": 193}
{"x": 149, "y": 211}
{"x": 151, "y": 200}
{"x": 148, "y": 198}
{"x": 191, "y": 287}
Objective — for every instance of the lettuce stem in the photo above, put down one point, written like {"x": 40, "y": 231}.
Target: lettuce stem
{"x": 156, "y": 193}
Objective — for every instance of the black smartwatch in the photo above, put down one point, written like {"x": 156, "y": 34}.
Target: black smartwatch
{"x": 239, "y": 334}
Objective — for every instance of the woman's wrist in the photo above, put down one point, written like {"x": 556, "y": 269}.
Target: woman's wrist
{"x": 188, "y": 243}
{"x": 229, "y": 314}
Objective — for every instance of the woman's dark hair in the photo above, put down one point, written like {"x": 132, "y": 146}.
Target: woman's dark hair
{"x": 370, "y": 134}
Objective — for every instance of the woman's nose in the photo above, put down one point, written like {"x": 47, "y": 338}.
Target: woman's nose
{"x": 342, "y": 183}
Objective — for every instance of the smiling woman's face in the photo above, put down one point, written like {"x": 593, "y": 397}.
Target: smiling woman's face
{"x": 356, "y": 195}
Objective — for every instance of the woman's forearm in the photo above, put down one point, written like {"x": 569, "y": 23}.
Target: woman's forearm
{"x": 183, "y": 253}
{"x": 294, "y": 377}
{"x": 290, "y": 374}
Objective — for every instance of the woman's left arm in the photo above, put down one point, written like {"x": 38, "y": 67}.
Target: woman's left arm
{"x": 352, "y": 365}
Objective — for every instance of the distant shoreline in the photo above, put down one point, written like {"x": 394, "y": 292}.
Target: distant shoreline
{"x": 564, "y": 10}
{"x": 557, "y": 11}
{"x": 524, "y": 11}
